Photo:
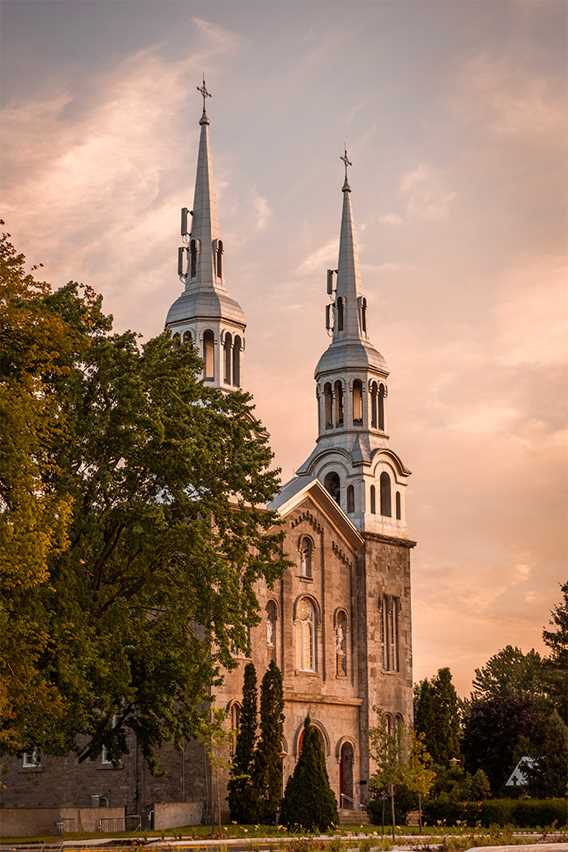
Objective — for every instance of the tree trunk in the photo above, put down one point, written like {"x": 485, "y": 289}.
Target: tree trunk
{"x": 420, "y": 811}
{"x": 392, "y": 810}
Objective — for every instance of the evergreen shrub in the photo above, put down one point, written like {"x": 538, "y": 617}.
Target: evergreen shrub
{"x": 309, "y": 802}
{"x": 523, "y": 813}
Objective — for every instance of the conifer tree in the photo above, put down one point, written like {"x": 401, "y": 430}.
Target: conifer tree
{"x": 309, "y": 802}
{"x": 268, "y": 757}
{"x": 241, "y": 790}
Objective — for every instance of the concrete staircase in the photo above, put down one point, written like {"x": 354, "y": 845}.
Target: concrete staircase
{"x": 352, "y": 817}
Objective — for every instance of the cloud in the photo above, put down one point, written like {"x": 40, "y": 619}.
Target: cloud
{"x": 391, "y": 219}
{"x": 262, "y": 211}
{"x": 426, "y": 196}
{"x": 323, "y": 257}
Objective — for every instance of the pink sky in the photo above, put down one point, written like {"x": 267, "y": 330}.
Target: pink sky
{"x": 455, "y": 114}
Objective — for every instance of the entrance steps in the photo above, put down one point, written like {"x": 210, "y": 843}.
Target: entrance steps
{"x": 353, "y": 817}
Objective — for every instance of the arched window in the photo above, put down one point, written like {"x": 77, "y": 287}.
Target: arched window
{"x": 350, "y": 499}
{"x": 341, "y": 644}
{"x": 237, "y": 345}
{"x": 220, "y": 258}
{"x": 388, "y": 724}
{"x": 382, "y": 408}
{"x": 374, "y": 405}
{"x": 398, "y": 506}
{"x": 340, "y": 314}
{"x": 357, "y": 402}
{"x": 306, "y": 557}
{"x": 305, "y": 630}
{"x": 271, "y": 618}
{"x": 209, "y": 354}
{"x": 235, "y": 720}
{"x": 187, "y": 338}
{"x": 338, "y": 404}
{"x": 385, "y": 484}
{"x": 328, "y": 403}
{"x": 193, "y": 259}
{"x": 364, "y": 315}
{"x": 177, "y": 339}
{"x": 332, "y": 484}
{"x": 228, "y": 358}
{"x": 373, "y": 500}
{"x": 321, "y": 739}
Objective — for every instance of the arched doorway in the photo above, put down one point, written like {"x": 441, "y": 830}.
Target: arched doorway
{"x": 346, "y": 776}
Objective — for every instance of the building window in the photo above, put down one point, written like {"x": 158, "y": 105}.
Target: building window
{"x": 398, "y": 506}
{"x": 209, "y": 354}
{"x": 220, "y": 258}
{"x": 374, "y": 404}
{"x": 271, "y": 617}
{"x": 235, "y": 718}
{"x": 357, "y": 403}
{"x": 105, "y": 756}
{"x": 373, "y": 500}
{"x": 382, "y": 408}
{"x": 305, "y": 630}
{"x": 340, "y": 314}
{"x": 237, "y": 346}
{"x": 187, "y": 338}
{"x": 389, "y": 623}
{"x": 306, "y": 557}
{"x": 177, "y": 339}
{"x": 227, "y": 346}
{"x": 341, "y": 644}
{"x": 328, "y": 405}
{"x": 31, "y": 759}
{"x": 193, "y": 258}
{"x": 332, "y": 484}
{"x": 350, "y": 499}
{"x": 338, "y": 404}
{"x": 364, "y": 315}
{"x": 385, "y": 486}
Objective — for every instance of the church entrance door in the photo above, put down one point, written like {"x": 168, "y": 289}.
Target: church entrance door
{"x": 346, "y": 776}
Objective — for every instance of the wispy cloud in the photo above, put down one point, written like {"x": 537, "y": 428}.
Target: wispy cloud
{"x": 426, "y": 194}
{"x": 262, "y": 210}
{"x": 317, "y": 260}
{"x": 391, "y": 219}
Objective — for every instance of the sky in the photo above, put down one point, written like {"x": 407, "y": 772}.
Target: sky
{"x": 455, "y": 114}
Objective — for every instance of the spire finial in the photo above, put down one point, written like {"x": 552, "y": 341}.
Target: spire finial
{"x": 346, "y": 162}
{"x": 204, "y": 94}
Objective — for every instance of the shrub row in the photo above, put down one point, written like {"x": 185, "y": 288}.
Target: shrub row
{"x": 525, "y": 813}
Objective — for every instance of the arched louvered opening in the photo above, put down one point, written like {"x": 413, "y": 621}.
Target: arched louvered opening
{"x": 237, "y": 346}
{"x": 220, "y": 258}
{"x": 357, "y": 402}
{"x": 373, "y": 500}
{"x": 187, "y": 338}
{"x": 374, "y": 405}
{"x": 340, "y": 314}
{"x": 350, "y": 499}
{"x": 398, "y": 506}
{"x": 338, "y": 404}
{"x": 364, "y": 315}
{"x": 193, "y": 258}
{"x": 209, "y": 354}
{"x": 176, "y": 338}
{"x": 228, "y": 358}
{"x": 382, "y": 408}
{"x": 332, "y": 484}
{"x": 328, "y": 405}
{"x": 385, "y": 486}
{"x": 306, "y": 557}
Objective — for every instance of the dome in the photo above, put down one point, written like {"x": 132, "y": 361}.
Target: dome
{"x": 350, "y": 354}
{"x": 201, "y": 303}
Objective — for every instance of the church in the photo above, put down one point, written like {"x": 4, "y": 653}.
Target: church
{"x": 338, "y": 623}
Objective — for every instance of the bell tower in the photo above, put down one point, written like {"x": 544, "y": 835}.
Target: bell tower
{"x": 353, "y": 457}
{"x": 205, "y": 314}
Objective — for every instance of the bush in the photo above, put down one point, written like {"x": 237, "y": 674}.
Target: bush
{"x": 404, "y": 801}
{"x": 309, "y": 801}
{"x": 524, "y": 813}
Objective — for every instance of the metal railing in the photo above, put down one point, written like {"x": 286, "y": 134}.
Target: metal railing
{"x": 106, "y": 824}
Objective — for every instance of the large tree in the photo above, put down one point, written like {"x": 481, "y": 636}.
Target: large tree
{"x": 132, "y": 525}
{"x": 241, "y": 789}
{"x": 437, "y": 709}
{"x": 309, "y": 802}
{"x": 510, "y": 672}
{"x": 556, "y": 664}
{"x": 268, "y": 757}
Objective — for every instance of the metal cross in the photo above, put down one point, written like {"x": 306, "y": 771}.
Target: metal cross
{"x": 346, "y": 162}
{"x": 203, "y": 92}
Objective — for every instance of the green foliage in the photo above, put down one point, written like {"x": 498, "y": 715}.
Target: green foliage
{"x": 241, "y": 790}
{"x": 548, "y": 775}
{"x": 309, "y": 801}
{"x": 456, "y": 785}
{"x": 437, "y": 716}
{"x": 379, "y": 811}
{"x": 135, "y": 496}
{"x": 556, "y": 664}
{"x": 268, "y": 757}
{"x": 525, "y": 813}
{"x": 510, "y": 673}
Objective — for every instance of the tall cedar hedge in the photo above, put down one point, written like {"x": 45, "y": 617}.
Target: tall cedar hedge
{"x": 309, "y": 802}
{"x": 241, "y": 789}
{"x": 268, "y": 757}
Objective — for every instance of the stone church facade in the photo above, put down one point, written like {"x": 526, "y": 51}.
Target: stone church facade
{"x": 338, "y": 623}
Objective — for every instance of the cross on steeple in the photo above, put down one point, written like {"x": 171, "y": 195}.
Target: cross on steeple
{"x": 203, "y": 92}
{"x": 346, "y": 162}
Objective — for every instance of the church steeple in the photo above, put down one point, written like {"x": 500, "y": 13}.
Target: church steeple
{"x": 347, "y": 295}
{"x": 205, "y": 314}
